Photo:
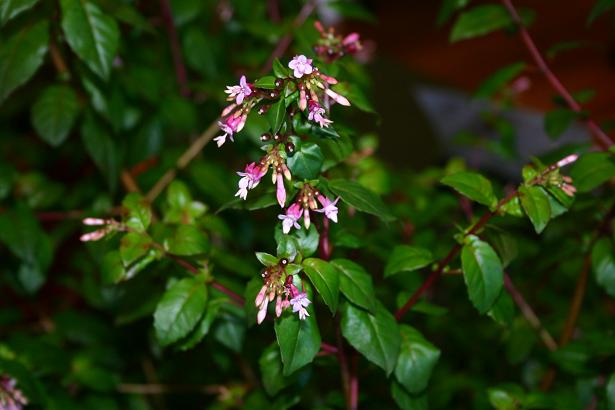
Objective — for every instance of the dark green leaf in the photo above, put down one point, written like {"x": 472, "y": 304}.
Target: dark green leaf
{"x": 270, "y": 364}
{"x": 299, "y": 340}
{"x": 407, "y": 401}
{"x": 279, "y": 70}
{"x": 448, "y": 8}
{"x": 306, "y": 162}
{"x": 601, "y": 7}
{"x": 202, "y": 328}
{"x": 93, "y": 35}
{"x": 479, "y": 21}
{"x": 482, "y": 271}
{"x": 138, "y": 212}
{"x": 558, "y": 121}
{"x": 307, "y": 240}
{"x": 54, "y": 113}
{"x": 179, "y": 310}
{"x": 499, "y": 79}
{"x": 506, "y": 397}
{"x": 375, "y": 336}
{"x": 188, "y": 240}
{"x": 610, "y": 392}
{"x": 361, "y": 198}
{"x": 503, "y": 309}
{"x": 133, "y": 246}
{"x": 267, "y": 82}
{"x": 21, "y": 55}
{"x": 230, "y": 332}
{"x": 474, "y": 186}
{"x": 406, "y": 258}
{"x": 417, "y": 358}
{"x": 11, "y": 8}
{"x": 266, "y": 259}
{"x": 603, "y": 265}
{"x": 535, "y": 203}
{"x": 592, "y": 170}
{"x": 326, "y": 280}
{"x": 102, "y": 149}
{"x": 356, "y": 284}
{"x": 276, "y": 115}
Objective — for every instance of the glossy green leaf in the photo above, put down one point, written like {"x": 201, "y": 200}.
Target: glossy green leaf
{"x": 92, "y": 34}
{"x": 496, "y": 81}
{"x": 482, "y": 271}
{"x": 535, "y": 203}
{"x": 272, "y": 376}
{"x": 276, "y": 115}
{"x": 299, "y": 340}
{"x": 558, "y": 121}
{"x": 592, "y": 170}
{"x": 188, "y": 240}
{"x": 473, "y": 185}
{"x": 326, "y": 280}
{"x": 138, "y": 212}
{"x": 102, "y": 149}
{"x": 406, "y": 258}
{"x": 356, "y": 284}
{"x": 133, "y": 246}
{"x": 267, "y": 82}
{"x": 480, "y": 20}
{"x": 307, "y": 240}
{"x": 407, "y": 401}
{"x": 361, "y": 198}
{"x": 202, "y": 328}
{"x": 376, "y": 336}
{"x": 306, "y": 162}
{"x": 179, "y": 310}
{"x": 54, "y": 113}
{"x": 279, "y": 69}
{"x": 21, "y": 55}
{"x": 416, "y": 361}
{"x": 11, "y": 8}
{"x": 266, "y": 259}
{"x": 603, "y": 264}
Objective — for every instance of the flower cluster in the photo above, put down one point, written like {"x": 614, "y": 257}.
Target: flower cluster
{"x": 278, "y": 285}
{"x": 332, "y": 46}
{"x": 11, "y": 398}
{"x": 306, "y": 202}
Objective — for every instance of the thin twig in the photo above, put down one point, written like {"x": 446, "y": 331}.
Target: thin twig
{"x": 159, "y": 388}
{"x": 178, "y": 60}
{"x": 600, "y": 137}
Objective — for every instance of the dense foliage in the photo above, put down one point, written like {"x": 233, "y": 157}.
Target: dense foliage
{"x": 148, "y": 264}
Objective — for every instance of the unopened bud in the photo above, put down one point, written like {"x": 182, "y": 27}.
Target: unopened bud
{"x": 94, "y": 221}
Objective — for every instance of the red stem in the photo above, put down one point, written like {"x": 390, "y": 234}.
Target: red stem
{"x": 178, "y": 61}
{"x": 599, "y": 136}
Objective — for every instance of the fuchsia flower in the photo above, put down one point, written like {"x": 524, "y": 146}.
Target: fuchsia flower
{"x": 239, "y": 92}
{"x": 234, "y": 123}
{"x": 289, "y": 220}
{"x": 316, "y": 114}
{"x": 299, "y": 301}
{"x": 328, "y": 207}
{"x": 249, "y": 179}
{"x": 301, "y": 65}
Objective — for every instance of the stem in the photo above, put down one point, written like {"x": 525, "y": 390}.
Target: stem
{"x": 344, "y": 370}
{"x": 324, "y": 246}
{"x": 528, "y": 314}
{"x": 354, "y": 381}
{"x": 599, "y": 136}
{"x": 178, "y": 61}
{"x": 159, "y": 388}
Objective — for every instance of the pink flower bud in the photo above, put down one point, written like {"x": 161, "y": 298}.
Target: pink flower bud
{"x": 278, "y": 306}
{"x": 94, "y": 221}
{"x": 260, "y": 316}
{"x": 302, "y": 99}
{"x": 260, "y": 296}
{"x": 280, "y": 191}
{"x": 93, "y": 236}
{"x": 306, "y": 219}
{"x": 337, "y": 98}
{"x": 228, "y": 109}
{"x": 350, "y": 38}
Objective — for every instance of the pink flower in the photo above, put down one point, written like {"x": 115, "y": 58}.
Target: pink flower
{"x": 230, "y": 126}
{"x": 301, "y": 65}
{"x": 328, "y": 207}
{"x": 316, "y": 114}
{"x": 280, "y": 191}
{"x": 249, "y": 179}
{"x": 239, "y": 92}
{"x": 299, "y": 304}
{"x": 289, "y": 220}
{"x": 337, "y": 98}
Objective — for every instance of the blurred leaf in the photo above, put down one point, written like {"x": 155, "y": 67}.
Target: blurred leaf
{"x": 506, "y": 397}
{"x": 187, "y": 240}
{"x": 503, "y": 309}
{"x": 406, "y": 258}
{"x": 202, "y": 328}
{"x": 356, "y": 284}
{"x": 126, "y": 13}
{"x": 230, "y": 332}
{"x": 407, "y": 401}
{"x": 299, "y": 340}
{"x": 326, "y": 280}
{"x": 535, "y": 203}
{"x": 361, "y": 198}
{"x": 133, "y": 246}
{"x": 448, "y": 8}
{"x": 603, "y": 264}
{"x": 474, "y": 186}
{"x": 499, "y": 79}
{"x": 480, "y": 20}
{"x": 600, "y": 7}
{"x": 416, "y": 361}
{"x": 610, "y": 392}
{"x": 54, "y": 113}
{"x": 102, "y": 149}
{"x": 270, "y": 364}
{"x": 180, "y": 309}
{"x": 306, "y": 162}
{"x": 558, "y": 121}
{"x": 21, "y": 55}
{"x": 592, "y": 170}
{"x": 93, "y": 35}
{"x": 482, "y": 271}
{"x": 12, "y": 8}
{"x": 138, "y": 212}
{"x": 376, "y": 337}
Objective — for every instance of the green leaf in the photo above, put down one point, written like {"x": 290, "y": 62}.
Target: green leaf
{"x": 497, "y": 80}
{"x": 270, "y": 364}
{"x": 133, "y": 246}
{"x": 506, "y": 397}
{"x": 203, "y": 327}
{"x": 299, "y": 340}
{"x": 376, "y": 336}
{"x": 138, "y": 212}
{"x": 603, "y": 264}
{"x": 306, "y": 162}
{"x": 361, "y": 198}
{"x": 188, "y": 240}
{"x": 592, "y": 170}
{"x": 601, "y": 7}
{"x": 356, "y": 284}
{"x": 326, "y": 280}
{"x": 102, "y": 149}
{"x": 406, "y": 258}
{"x": 448, "y": 8}
{"x": 610, "y": 392}
{"x": 558, "y": 121}
{"x": 307, "y": 240}
{"x": 179, "y": 310}
{"x": 276, "y": 115}
{"x": 112, "y": 268}
{"x": 482, "y": 271}
{"x": 266, "y": 259}
{"x": 479, "y": 21}
{"x": 54, "y": 113}
{"x": 503, "y": 310}
{"x": 267, "y": 82}
{"x": 21, "y": 55}
{"x": 93, "y": 35}
{"x": 417, "y": 358}
{"x": 473, "y": 185}
{"x": 407, "y": 401}
{"x": 535, "y": 203}
{"x": 11, "y": 8}
{"x": 279, "y": 70}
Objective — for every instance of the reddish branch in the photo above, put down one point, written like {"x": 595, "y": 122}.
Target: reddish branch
{"x": 600, "y": 137}
{"x": 178, "y": 61}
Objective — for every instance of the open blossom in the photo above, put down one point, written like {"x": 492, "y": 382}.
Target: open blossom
{"x": 299, "y": 304}
{"x": 328, "y": 207}
{"x": 317, "y": 113}
{"x": 11, "y": 398}
{"x": 249, "y": 179}
{"x": 289, "y": 220}
{"x": 301, "y": 65}
{"x": 239, "y": 92}
{"x": 230, "y": 126}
